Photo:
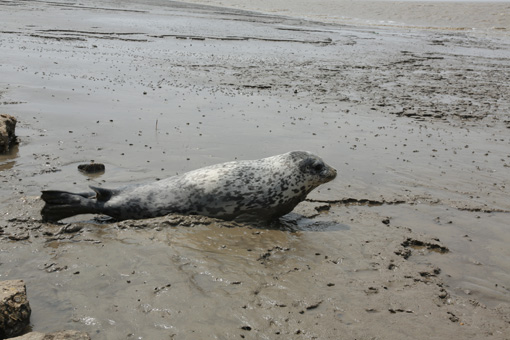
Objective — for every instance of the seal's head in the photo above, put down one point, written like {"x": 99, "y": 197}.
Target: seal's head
{"x": 312, "y": 169}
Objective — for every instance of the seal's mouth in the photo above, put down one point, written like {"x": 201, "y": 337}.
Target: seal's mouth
{"x": 330, "y": 174}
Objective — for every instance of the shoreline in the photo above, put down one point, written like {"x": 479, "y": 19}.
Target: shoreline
{"x": 478, "y": 17}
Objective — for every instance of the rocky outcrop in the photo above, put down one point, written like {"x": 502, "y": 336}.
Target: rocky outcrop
{"x": 14, "y": 308}
{"x": 7, "y": 129}
{"x": 62, "y": 335}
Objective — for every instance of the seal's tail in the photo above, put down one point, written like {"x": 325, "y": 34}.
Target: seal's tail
{"x": 62, "y": 204}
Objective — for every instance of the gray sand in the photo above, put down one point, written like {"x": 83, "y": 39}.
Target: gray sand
{"x": 410, "y": 241}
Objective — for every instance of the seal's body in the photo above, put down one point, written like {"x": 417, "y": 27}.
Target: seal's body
{"x": 261, "y": 189}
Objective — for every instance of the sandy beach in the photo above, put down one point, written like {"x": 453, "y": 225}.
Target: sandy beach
{"x": 409, "y": 241}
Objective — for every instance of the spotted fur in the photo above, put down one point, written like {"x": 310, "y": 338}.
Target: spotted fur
{"x": 261, "y": 189}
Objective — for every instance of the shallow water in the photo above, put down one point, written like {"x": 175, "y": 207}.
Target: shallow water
{"x": 484, "y": 17}
{"x": 146, "y": 283}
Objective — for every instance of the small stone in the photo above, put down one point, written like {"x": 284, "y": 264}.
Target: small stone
{"x": 91, "y": 168}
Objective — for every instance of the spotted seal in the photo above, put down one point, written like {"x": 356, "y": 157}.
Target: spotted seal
{"x": 263, "y": 189}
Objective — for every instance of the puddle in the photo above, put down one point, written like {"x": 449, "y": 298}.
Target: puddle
{"x": 8, "y": 160}
{"x": 295, "y": 222}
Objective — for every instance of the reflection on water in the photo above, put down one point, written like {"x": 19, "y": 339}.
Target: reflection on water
{"x": 7, "y": 160}
{"x": 93, "y": 175}
{"x": 296, "y": 222}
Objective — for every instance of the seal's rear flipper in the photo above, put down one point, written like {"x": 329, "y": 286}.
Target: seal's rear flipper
{"x": 103, "y": 194}
{"x": 62, "y": 204}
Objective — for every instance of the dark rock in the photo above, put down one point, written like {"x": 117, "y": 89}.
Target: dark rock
{"x": 7, "y": 129}
{"x": 91, "y": 168}
{"x": 14, "y": 308}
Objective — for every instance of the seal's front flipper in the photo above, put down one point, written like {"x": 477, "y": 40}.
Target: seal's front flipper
{"x": 61, "y": 204}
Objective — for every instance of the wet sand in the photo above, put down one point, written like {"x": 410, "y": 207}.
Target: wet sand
{"x": 410, "y": 241}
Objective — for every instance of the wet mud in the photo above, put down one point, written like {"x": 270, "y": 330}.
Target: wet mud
{"x": 409, "y": 241}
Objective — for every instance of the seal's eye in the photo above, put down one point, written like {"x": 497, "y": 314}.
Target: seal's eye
{"x": 318, "y": 167}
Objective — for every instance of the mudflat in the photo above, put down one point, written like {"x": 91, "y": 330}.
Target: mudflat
{"x": 409, "y": 241}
